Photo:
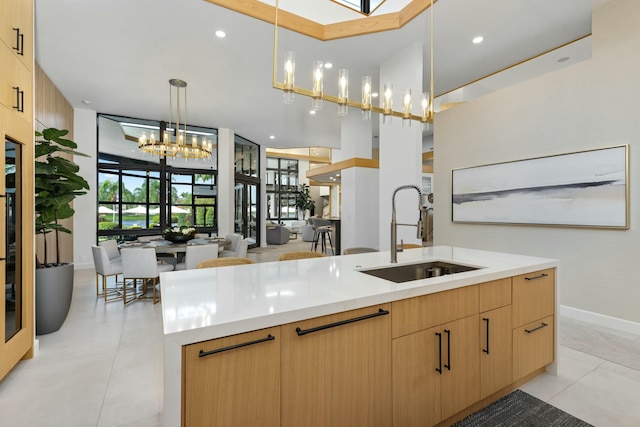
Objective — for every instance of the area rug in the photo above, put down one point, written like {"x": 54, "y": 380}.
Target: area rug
{"x": 519, "y": 409}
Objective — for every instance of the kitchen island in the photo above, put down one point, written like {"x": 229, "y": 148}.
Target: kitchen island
{"x": 202, "y": 306}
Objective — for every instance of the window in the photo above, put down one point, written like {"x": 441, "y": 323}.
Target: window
{"x": 282, "y": 184}
{"x": 137, "y": 190}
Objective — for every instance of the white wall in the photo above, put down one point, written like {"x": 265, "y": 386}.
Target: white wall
{"x": 589, "y": 105}
{"x": 84, "y": 221}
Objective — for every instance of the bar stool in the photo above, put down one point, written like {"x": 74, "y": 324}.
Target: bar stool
{"x": 322, "y": 231}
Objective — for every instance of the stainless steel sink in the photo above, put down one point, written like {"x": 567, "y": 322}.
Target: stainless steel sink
{"x": 424, "y": 270}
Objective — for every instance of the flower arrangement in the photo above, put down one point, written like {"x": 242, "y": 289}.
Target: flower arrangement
{"x": 179, "y": 234}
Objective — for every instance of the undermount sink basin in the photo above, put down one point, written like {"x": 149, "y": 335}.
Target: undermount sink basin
{"x": 424, "y": 270}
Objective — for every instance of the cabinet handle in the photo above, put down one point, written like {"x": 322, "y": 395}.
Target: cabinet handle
{"x": 439, "y": 368}
{"x": 448, "y": 365}
{"x": 19, "y": 99}
{"x": 537, "y": 277}
{"x": 485, "y": 319}
{"x": 543, "y": 325}
{"x": 233, "y": 347}
{"x": 380, "y": 312}
{"x": 19, "y": 47}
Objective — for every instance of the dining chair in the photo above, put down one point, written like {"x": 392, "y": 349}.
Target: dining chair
{"x": 358, "y": 250}
{"x": 224, "y": 262}
{"x": 164, "y": 257}
{"x": 111, "y": 245}
{"x": 141, "y": 263}
{"x": 232, "y": 252}
{"x": 287, "y": 256}
{"x": 195, "y": 254}
{"x": 106, "y": 268}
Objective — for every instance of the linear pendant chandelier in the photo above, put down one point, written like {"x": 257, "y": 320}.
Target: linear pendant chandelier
{"x": 342, "y": 99}
{"x": 176, "y": 145}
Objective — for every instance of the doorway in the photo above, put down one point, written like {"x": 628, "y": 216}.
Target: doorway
{"x": 246, "y": 210}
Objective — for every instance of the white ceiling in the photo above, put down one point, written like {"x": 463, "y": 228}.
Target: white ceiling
{"x": 119, "y": 55}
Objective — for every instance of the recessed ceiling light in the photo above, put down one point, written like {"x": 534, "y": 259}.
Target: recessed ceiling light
{"x": 312, "y": 112}
{"x": 337, "y": 174}
{"x": 374, "y": 95}
{"x": 272, "y": 137}
{"x": 477, "y": 40}
{"x": 221, "y": 34}
{"x": 328, "y": 65}
{"x": 86, "y": 102}
{"x": 564, "y": 59}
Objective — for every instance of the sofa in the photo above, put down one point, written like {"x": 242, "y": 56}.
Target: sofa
{"x": 277, "y": 234}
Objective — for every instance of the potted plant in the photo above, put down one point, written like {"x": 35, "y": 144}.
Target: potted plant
{"x": 304, "y": 202}
{"x": 57, "y": 184}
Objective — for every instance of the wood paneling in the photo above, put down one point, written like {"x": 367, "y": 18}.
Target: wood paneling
{"x": 53, "y": 110}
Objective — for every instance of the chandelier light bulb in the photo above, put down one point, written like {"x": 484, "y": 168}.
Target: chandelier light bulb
{"x": 406, "y": 107}
{"x": 316, "y": 101}
{"x": 343, "y": 92}
{"x": 366, "y": 98}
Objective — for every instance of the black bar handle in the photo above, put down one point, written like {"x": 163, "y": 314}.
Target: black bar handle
{"x": 544, "y": 325}
{"x": 233, "y": 347}
{"x": 19, "y": 99}
{"x": 486, "y": 350}
{"x": 19, "y": 47}
{"x": 439, "y": 368}
{"x": 380, "y": 312}
{"x": 536, "y": 277}
{"x": 448, "y": 365}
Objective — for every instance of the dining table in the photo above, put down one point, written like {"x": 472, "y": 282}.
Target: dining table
{"x": 163, "y": 246}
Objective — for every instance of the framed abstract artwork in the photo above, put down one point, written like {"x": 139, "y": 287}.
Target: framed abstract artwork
{"x": 583, "y": 189}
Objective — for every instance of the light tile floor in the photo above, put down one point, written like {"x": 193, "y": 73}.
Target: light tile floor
{"x": 104, "y": 368}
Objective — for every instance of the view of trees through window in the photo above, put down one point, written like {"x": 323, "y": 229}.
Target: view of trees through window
{"x": 133, "y": 188}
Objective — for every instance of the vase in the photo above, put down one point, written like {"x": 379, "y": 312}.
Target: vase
{"x": 179, "y": 239}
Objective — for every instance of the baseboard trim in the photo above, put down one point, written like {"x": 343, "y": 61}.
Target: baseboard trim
{"x": 621, "y": 325}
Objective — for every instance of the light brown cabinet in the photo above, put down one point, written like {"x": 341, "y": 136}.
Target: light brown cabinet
{"x": 16, "y": 233}
{"x": 413, "y": 362}
{"x": 16, "y": 29}
{"x": 336, "y": 370}
{"x": 233, "y": 381}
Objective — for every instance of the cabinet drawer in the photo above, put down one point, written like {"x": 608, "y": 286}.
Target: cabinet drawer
{"x": 495, "y": 294}
{"x": 415, "y": 314}
{"x": 231, "y": 371}
{"x": 533, "y": 296}
{"x": 532, "y": 347}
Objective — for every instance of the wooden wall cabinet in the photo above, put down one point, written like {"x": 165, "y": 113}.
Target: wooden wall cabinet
{"x": 16, "y": 29}
{"x": 16, "y": 130}
{"x": 234, "y": 382}
{"x": 338, "y": 375}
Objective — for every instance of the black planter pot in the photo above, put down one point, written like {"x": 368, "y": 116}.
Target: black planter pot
{"x": 54, "y": 289}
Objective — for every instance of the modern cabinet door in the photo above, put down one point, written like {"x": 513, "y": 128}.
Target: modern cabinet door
{"x": 435, "y": 373}
{"x": 417, "y": 368}
{"x": 16, "y": 29}
{"x": 233, "y": 381}
{"x": 336, "y": 370}
{"x": 460, "y": 365}
{"x": 495, "y": 350}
